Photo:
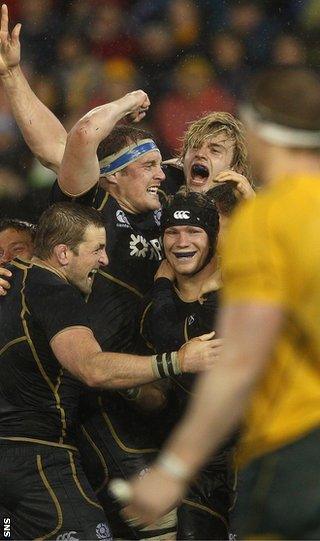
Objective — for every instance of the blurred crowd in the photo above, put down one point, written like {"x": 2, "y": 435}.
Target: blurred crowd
{"x": 191, "y": 56}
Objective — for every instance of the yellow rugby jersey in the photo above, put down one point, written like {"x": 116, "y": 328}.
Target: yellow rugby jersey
{"x": 272, "y": 255}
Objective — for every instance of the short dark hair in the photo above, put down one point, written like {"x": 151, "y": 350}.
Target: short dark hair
{"x": 288, "y": 96}
{"x": 121, "y": 137}
{"x": 64, "y": 223}
{"x": 224, "y": 197}
{"x": 18, "y": 225}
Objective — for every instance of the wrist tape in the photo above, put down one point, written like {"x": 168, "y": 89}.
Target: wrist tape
{"x": 173, "y": 466}
{"x": 166, "y": 364}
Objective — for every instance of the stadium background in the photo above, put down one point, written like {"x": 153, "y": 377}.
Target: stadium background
{"x": 191, "y": 56}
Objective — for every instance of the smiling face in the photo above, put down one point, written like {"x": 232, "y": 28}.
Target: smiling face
{"x": 15, "y": 243}
{"x": 202, "y": 164}
{"x": 186, "y": 248}
{"x": 86, "y": 259}
{"x": 136, "y": 188}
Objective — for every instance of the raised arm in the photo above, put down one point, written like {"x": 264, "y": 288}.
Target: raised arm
{"x": 42, "y": 131}
{"x": 80, "y": 166}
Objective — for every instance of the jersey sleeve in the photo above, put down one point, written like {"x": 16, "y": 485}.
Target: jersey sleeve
{"x": 58, "y": 196}
{"x": 159, "y": 324}
{"x": 254, "y": 259}
{"x": 174, "y": 179}
{"x": 205, "y": 317}
{"x": 57, "y": 307}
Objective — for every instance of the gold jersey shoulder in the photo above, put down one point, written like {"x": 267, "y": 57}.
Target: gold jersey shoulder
{"x": 272, "y": 255}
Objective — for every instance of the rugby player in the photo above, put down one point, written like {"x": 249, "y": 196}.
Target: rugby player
{"x": 213, "y": 151}
{"x": 183, "y": 304}
{"x": 269, "y": 370}
{"x": 16, "y": 239}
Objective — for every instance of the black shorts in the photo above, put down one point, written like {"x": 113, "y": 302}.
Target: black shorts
{"x": 45, "y": 494}
{"x": 204, "y": 513}
{"x": 279, "y": 496}
{"x": 105, "y": 458}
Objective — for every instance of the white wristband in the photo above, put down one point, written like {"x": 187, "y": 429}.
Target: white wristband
{"x": 174, "y": 466}
{"x": 121, "y": 490}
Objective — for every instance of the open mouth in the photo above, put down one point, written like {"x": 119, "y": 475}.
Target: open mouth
{"x": 92, "y": 274}
{"x": 199, "y": 173}
{"x": 184, "y": 256}
{"x": 153, "y": 190}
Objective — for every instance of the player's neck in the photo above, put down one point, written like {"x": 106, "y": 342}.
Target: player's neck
{"x": 127, "y": 206}
{"x": 288, "y": 162}
{"x": 191, "y": 287}
{"x": 124, "y": 203}
{"x": 50, "y": 265}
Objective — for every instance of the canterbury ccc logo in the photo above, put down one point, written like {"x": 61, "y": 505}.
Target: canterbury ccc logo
{"x": 181, "y": 215}
{"x": 67, "y": 536}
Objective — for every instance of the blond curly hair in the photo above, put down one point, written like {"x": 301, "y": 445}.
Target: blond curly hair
{"x": 213, "y": 124}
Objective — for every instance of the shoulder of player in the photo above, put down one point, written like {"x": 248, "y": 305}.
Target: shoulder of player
{"x": 42, "y": 284}
{"x": 109, "y": 208}
{"x": 174, "y": 178}
{"x": 212, "y": 298}
{"x": 253, "y": 212}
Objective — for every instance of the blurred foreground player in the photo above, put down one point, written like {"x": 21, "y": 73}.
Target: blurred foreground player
{"x": 269, "y": 370}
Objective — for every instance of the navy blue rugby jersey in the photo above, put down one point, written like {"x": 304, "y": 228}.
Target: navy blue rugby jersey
{"x": 134, "y": 252}
{"x": 38, "y": 397}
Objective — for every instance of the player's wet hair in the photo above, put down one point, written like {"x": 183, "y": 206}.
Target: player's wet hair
{"x": 64, "y": 223}
{"x": 224, "y": 197}
{"x": 283, "y": 106}
{"x": 18, "y": 225}
{"x": 213, "y": 124}
{"x": 288, "y": 96}
{"x": 120, "y": 137}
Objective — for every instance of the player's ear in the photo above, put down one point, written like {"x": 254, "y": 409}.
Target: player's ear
{"x": 61, "y": 251}
{"x": 105, "y": 181}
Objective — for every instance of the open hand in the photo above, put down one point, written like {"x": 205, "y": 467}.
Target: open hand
{"x": 243, "y": 188}
{"x": 4, "y": 284}
{"x": 150, "y": 497}
{"x": 200, "y": 353}
{"x": 9, "y": 43}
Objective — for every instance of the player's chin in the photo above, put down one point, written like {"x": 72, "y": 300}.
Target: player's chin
{"x": 152, "y": 203}
{"x": 186, "y": 268}
{"x": 86, "y": 286}
{"x": 199, "y": 188}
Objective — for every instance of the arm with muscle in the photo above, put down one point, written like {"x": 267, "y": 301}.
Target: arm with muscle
{"x": 78, "y": 351}
{"x": 42, "y": 131}
{"x": 80, "y": 166}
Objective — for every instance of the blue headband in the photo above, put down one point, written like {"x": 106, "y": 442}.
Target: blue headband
{"x": 116, "y": 162}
